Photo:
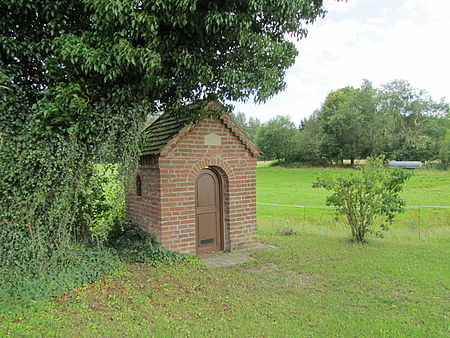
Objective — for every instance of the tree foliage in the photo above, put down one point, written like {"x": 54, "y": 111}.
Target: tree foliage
{"x": 250, "y": 126}
{"x": 277, "y": 138}
{"x": 307, "y": 148}
{"x": 367, "y": 195}
{"x": 411, "y": 122}
{"x": 79, "y": 77}
{"x": 344, "y": 120}
{"x": 396, "y": 120}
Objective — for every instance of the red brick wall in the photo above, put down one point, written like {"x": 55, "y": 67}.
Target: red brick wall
{"x": 145, "y": 210}
{"x": 177, "y": 173}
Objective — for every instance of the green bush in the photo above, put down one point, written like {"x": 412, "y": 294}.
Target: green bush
{"x": 135, "y": 245}
{"x": 299, "y": 164}
{"x": 444, "y": 155}
{"x": 104, "y": 203}
{"x": 87, "y": 262}
{"x": 366, "y": 195}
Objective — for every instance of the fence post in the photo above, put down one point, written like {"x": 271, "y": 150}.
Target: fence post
{"x": 418, "y": 220}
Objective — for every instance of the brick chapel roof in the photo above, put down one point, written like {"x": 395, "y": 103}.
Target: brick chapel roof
{"x": 166, "y": 130}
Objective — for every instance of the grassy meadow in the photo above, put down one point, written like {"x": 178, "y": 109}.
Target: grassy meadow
{"x": 313, "y": 283}
{"x": 294, "y": 187}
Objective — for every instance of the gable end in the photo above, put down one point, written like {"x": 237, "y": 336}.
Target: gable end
{"x": 165, "y": 132}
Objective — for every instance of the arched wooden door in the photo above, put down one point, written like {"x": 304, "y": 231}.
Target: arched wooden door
{"x": 208, "y": 212}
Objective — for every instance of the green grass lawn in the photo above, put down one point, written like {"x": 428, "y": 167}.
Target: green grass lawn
{"x": 314, "y": 283}
{"x": 294, "y": 187}
{"x": 308, "y": 286}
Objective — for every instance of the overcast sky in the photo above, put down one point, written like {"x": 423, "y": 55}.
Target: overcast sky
{"x": 378, "y": 40}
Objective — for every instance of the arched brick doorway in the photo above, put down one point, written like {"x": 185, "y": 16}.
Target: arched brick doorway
{"x": 208, "y": 211}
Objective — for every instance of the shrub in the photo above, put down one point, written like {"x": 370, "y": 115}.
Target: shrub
{"x": 88, "y": 261}
{"x": 444, "y": 155}
{"x": 135, "y": 245}
{"x": 366, "y": 195}
{"x": 104, "y": 204}
{"x": 21, "y": 290}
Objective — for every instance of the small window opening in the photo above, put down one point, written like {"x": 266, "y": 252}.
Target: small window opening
{"x": 138, "y": 186}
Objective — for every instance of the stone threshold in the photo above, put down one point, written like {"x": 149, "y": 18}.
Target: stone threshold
{"x": 225, "y": 259}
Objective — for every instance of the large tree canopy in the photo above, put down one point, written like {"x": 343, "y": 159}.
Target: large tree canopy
{"x": 412, "y": 122}
{"x": 276, "y": 138}
{"x": 79, "y": 77}
{"x": 396, "y": 120}
{"x": 160, "y": 51}
{"x": 345, "y": 120}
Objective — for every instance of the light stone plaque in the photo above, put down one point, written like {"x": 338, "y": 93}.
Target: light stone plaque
{"x": 213, "y": 140}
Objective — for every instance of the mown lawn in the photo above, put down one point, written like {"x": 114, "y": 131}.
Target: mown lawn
{"x": 309, "y": 285}
{"x": 294, "y": 187}
{"x": 315, "y": 283}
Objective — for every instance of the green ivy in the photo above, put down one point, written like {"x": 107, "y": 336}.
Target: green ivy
{"x": 135, "y": 245}
{"x": 84, "y": 262}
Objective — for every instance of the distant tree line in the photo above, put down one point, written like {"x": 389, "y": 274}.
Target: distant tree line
{"x": 396, "y": 120}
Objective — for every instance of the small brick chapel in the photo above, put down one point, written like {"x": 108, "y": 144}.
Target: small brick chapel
{"x": 195, "y": 189}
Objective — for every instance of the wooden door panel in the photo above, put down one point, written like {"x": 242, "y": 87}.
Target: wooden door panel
{"x": 208, "y": 212}
{"x": 206, "y": 228}
{"x": 206, "y": 195}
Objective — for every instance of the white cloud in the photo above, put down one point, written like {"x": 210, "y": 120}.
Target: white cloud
{"x": 341, "y": 6}
{"x": 377, "y": 40}
{"x": 435, "y": 9}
